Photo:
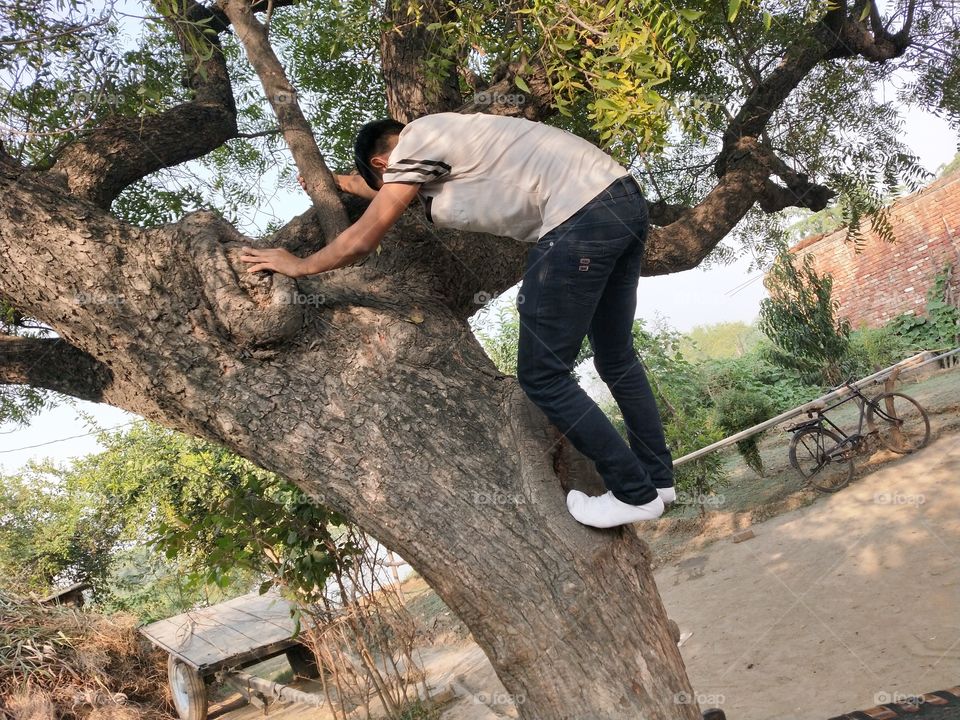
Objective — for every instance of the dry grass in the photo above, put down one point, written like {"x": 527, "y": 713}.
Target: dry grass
{"x": 60, "y": 662}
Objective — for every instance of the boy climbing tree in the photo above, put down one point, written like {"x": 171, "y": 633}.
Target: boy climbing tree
{"x": 586, "y": 220}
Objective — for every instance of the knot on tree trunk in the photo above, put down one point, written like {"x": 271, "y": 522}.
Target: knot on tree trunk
{"x": 256, "y": 310}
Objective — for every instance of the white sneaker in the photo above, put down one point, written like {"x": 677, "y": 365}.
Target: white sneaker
{"x": 606, "y": 511}
{"x": 668, "y": 495}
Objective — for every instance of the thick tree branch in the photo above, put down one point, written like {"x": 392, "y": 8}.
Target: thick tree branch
{"x": 687, "y": 235}
{"x": 405, "y": 47}
{"x": 103, "y": 161}
{"x": 799, "y": 59}
{"x": 875, "y": 43}
{"x": 461, "y": 270}
{"x": 52, "y": 364}
{"x": 503, "y": 97}
{"x": 294, "y": 126}
{"x": 685, "y": 242}
{"x": 798, "y": 191}
{"x": 663, "y": 213}
{"x": 839, "y": 34}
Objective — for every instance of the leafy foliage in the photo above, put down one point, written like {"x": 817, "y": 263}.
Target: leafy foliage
{"x": 935, "y": 64}
{"x": 749, "y": 390}
{"x": 939, "y": 328}
{"x": 497, "y": 327}
{"x": 950, "y": 167}
{"x": 800, "y": 318}
{"x": 872, "y": 349}
{"x": 19, "y": 403}
{"x": 654, "y": 83}
{"x": 755, "y": 373}
{"x": 158, "y": 520}
{"x": 613, "y": 57}
{"x": 689, "y": 423}
{"x": 498, "y": 330}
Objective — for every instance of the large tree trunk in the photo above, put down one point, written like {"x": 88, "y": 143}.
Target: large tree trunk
{"x": 382, "y": 406}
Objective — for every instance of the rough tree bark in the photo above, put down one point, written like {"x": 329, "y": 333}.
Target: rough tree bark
{"x": 364, "y": 386}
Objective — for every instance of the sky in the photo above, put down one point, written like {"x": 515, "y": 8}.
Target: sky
{"x": 681, "y": 300}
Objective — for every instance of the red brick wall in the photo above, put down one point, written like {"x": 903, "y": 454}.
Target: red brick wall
{"x": 885, "y": 279}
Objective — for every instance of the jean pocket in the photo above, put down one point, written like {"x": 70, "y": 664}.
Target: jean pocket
{"x": 588, "y": 263}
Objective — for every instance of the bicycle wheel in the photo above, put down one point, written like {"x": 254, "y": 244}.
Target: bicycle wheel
{"x": 899, "y": 421}
{"x": 816, "y": 453}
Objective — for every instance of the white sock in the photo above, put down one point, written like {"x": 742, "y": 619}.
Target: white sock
{"x": 668, "y": 495}
{"x": 606, "y": 511}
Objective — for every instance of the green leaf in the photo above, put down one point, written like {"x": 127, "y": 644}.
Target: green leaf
{"x": 865, "y": 12}
{"x": 521, "y": 83}
{"x": 733, "y": 7}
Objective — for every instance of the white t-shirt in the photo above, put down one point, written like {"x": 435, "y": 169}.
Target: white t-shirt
{"x": 500, "y": 175}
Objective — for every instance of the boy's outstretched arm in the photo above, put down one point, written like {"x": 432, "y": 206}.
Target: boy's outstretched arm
{"x": 353, "y": 184}
{"x": 357, "y": 241}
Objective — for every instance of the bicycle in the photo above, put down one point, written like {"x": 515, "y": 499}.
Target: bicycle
{"x": 824, "y": 457}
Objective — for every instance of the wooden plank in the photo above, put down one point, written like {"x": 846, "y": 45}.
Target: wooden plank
{"x": 236, "y": 631}
{"x": 255, "y": 629}
{"x": 251, "y": 657}
{"x": 199, "y": 639}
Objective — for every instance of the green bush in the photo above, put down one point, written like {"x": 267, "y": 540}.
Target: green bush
{"x": 939, "y": 327}
{"x": 741, "y": 409}
{"x": 688, "y": 417}
{"x": 873, "y": 349}
{"x": 755, "y": 374}
{"x": 748, "y": 390}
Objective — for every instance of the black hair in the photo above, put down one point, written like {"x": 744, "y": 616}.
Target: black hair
{"x": 372, "y": 140}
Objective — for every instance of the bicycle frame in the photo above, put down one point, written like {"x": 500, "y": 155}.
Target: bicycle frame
{"x": 862, "y": 402}
{"x": 819, "y": 442}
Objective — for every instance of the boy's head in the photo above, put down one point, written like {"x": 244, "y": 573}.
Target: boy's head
{"x": 372, "y": 148}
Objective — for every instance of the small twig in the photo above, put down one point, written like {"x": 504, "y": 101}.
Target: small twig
{"x": 47, "y": 38}
{"x": 267, "y": 17}
{"x": 261, "y": 133}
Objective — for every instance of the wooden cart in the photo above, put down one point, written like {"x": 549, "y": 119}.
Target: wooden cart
{"x": 223, "y": 639}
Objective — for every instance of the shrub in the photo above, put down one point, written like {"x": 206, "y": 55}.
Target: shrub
{"x": 939, "y": 327}
{"x": 800, "y": 319}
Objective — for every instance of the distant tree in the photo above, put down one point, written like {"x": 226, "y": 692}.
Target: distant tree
{"x": 818, "y": 223}
{"x": 155, "y": 503}
{"x": 950, "y": 167}
{"x": 720, "y": 340}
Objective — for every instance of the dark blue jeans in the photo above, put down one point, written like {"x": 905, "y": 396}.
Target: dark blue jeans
{"x": 581, "y": 280}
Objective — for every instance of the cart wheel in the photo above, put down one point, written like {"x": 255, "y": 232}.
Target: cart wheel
{"x": 303, "y": 662}
{"x": 188, "y": 690}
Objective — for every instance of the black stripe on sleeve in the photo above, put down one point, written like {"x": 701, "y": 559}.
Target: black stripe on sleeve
{"x": 437, "y": 163}
{"x": 419, "y": 171}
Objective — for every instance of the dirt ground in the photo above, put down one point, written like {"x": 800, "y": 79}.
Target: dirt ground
{"x": 838, "y": 603}
{"x": 833, "y": 607}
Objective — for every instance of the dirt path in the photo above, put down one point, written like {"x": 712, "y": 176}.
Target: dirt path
{"x": 832, "y": 607}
